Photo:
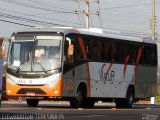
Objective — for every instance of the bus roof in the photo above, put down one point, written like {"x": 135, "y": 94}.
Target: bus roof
{"x": 92, "y": 31}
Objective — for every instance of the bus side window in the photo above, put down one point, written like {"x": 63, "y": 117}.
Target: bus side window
{"x": 96, "y": 50}
{"x": 133, "y": 53}
{"x": 78, "y": 52}
{"x": 113, "y": 52}
{"x": 110, "y": 51}
{"x": 146, "y": 55}
{"x": 81, "y": 47}
{"x": 153, "y": 56}
{"x": 140, "y": 47}
{"x": 124, "y": 55}
{"x": 65, "y": 57}
{"x": 106, "y": 51}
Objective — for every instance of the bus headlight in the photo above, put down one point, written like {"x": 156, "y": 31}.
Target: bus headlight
{"x": 52, "y": 82}
{"x": 11, "y": 81}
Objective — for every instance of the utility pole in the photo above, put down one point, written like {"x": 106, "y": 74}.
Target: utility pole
{"x": 153, "y": 20}
{"x": 152, "y": 99}
{"x": 87, "y": 13}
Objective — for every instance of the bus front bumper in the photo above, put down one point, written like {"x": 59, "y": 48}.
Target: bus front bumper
{"x": 34, "y": 91}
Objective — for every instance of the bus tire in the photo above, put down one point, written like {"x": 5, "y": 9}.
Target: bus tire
{"x": 128, "y": 101}
{"x": 0, "y": 98}
{"x": 89, "y": 103}
{"x": 0, "y": 102}
{"x": 78, "y": 100}
{"x": 32, "y": 102}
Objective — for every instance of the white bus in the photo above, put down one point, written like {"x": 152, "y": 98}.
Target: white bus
{"x": 80, "y": 66}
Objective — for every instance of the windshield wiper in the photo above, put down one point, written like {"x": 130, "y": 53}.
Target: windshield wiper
{"x": 44, "y": 70}
{"x": 18, "y": 69}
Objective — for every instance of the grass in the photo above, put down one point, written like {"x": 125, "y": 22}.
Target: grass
{"x": 157, "y": 99}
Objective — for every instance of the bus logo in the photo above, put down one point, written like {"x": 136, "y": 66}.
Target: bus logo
{"x": 105, "y": 73}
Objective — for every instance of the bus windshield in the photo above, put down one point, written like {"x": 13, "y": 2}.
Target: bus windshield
{"x": 38, "y": 53}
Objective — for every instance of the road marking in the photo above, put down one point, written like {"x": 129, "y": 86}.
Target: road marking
{"x": 12, "y": 109}
{"x": 89, "y": 116}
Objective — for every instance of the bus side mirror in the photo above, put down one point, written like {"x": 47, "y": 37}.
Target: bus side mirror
{"x": 70, "y": 46}
{"x": 71, "y": 49}
{"x": 3, "y": 51}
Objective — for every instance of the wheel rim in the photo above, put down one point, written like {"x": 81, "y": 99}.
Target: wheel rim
{"x": 130, "y": 97}
{"x": 79, "y": 97}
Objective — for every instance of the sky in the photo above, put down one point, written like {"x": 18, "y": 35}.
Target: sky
{"x": 133, "y": 16}
{"x": 129, "y": 16}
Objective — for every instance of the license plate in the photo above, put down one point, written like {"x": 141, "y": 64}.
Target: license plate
{"x": 31, "y": 94}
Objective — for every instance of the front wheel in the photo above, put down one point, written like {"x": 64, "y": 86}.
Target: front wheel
{"x": 0, "y": 98}
{"x": 89, "y": 103}
{"x": 79, "y": 99}
{"x": 126, "y": 102}
{"x": 32, "y": 102}
{"x": 0, "y": 102}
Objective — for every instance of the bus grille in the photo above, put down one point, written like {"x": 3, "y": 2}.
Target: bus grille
{"x": 33, "y": 76}
{"x": 31, "y": 90}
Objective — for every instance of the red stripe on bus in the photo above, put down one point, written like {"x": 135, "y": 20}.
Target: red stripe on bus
{"x": 102, "y": 67}
{"x": 125, "y": 66}
{"x": 110, "y": 66}
{"x": 80, "y": 41}
{"x": 137, "y": 62}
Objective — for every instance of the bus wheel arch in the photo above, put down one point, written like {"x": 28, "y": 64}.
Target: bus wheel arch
{"x": 80, "y": 96}
{"x": 128, "y": 101}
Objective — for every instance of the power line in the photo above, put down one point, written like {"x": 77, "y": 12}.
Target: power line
{"x": 16, "y": 23}
{"x": 37, "y": 16}
{"x": 129, "y": 32}
{"x": 125, "y": 21}
{"x": 35, "y": 7}
{"x": 48, "y": 5}
{"x": 26, "y": 19}
{"x": 125, "y": 6}
{"x": 126, "y": 16}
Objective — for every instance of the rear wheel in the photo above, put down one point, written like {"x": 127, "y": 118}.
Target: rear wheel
{"x": 32, "y": 102}
{"x": 128, "y": 101}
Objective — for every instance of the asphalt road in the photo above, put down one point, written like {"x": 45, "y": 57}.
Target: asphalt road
{"x": 49, "y": 110}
